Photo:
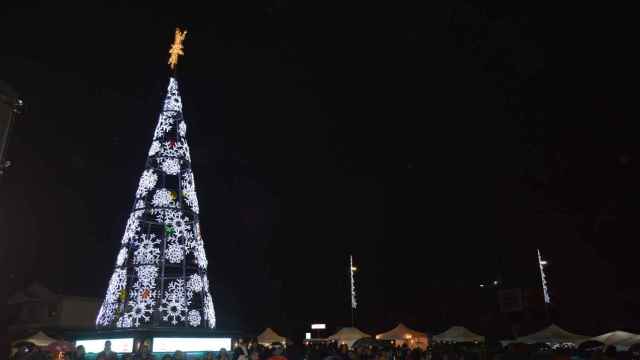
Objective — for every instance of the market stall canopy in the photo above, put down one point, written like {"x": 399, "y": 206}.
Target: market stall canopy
{"x": 400, "y": 332}
{"x": 348, "y": 335}
{"x": 552, "y": 334}
{"x": 268, "y": 336}
{"x": 458, "y": 334}
{"x": 619, "y": 339}
{"x": 38, "y": 339}
{"x": 403, "y": 335}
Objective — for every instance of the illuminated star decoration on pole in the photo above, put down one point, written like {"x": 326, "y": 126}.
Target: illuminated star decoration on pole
{"x": 545, "y": 291}
{"x": 176, "y": 48}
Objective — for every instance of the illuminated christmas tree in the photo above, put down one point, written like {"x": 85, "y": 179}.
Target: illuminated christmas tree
{"x": 160, "y": 276}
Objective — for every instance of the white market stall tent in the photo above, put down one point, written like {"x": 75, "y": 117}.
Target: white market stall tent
{"x": 458, "y": 334}
{"x": 268, "y": 336}
{"x": 552, "y": 334}
{"x": 620, "y": 339}
{"x": 403, "y": 335}
{"x": 348, "y": 336}
{"x": 39, "y": 339}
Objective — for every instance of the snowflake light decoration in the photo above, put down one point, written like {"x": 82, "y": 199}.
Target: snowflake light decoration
{"x": 165, "y": 121}
{"x": 163, "y": 198}
{"x": 194, "y": 318}
{"x": 178, "y": 149}
{"x": 208, "y": 310}
{"x": 176, "y": 221}
{"x": 205, "y": 283}
{"x": 107, "y": 311}
{"x": 174, "y": 303}
{"x": 122, "y": 256}
{"x": 148, "y": 181}
{"x": 176, "y": 289}
{"x": 124, "y": 321}
{"x": 201, "y": 255}
{"x": 173, "y": 102}
{"x": 171, "y": 166}
{"x": 140, "y": 306}
{"x": 194, "y": 285}
{"x": 148, "y": 251}
{"x": 139, "y": 312}
{"x": 171, "y": 149}
{"x": 174, "y": 252}
{"x": 155, "y": 147}
{"x": 184, "y": 148}
{"x": 107, "y": 314}
{"x": 132, "y": 228}
{"x": 161, "y": 227}
{"x": 189, "y": 191}
{"x": 116, "y": 284}
{"x": 147, "y": 275}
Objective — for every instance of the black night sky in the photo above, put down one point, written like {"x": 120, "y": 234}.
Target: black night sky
{"x": 433, "y": 143}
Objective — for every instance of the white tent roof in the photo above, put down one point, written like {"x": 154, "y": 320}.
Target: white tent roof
{"x": 458, "y": 334}
{"x": 400, "y": 332}
{"x": 552, "y": 334}
{"x": 618, "y": 338}
{"x": 348, "y": 334}
{"x": 269, "y": 336}
{"x": 38, "y": 339}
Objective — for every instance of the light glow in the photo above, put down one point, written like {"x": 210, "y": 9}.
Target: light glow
{"x": 354, "y": 303}
{"x": 190, "y": 344}
{"x": 307, "y": 336}
{"x": 542, "y": 263}
{"x": 117, "y": 345}
{"x": 318, "y": 326}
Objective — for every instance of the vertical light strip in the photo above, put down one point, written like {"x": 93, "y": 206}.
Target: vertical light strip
{"x": 545, "y": 291}
{"x": 354, "y": 304}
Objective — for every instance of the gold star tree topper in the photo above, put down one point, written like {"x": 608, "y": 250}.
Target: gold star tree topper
{"x": 176, "y": 48}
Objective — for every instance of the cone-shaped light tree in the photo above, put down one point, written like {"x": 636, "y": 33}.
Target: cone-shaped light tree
{"x": 160, "y": 274}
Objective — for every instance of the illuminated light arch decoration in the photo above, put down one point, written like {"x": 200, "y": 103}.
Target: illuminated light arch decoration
{"x": 160, "y": 276}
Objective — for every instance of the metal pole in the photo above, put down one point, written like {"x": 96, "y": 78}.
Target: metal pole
{"x": 16, "y": 108}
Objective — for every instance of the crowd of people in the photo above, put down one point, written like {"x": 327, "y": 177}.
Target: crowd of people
{"x": 333, "y": 351}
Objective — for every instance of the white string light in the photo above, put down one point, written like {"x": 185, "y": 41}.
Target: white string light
{"x": 162, "y": 228}
{"x": 352, "y": 268}
{"x": 545, "y": 291}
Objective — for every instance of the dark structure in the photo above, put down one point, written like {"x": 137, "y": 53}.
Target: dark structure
{"x": 10, "y": 108}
